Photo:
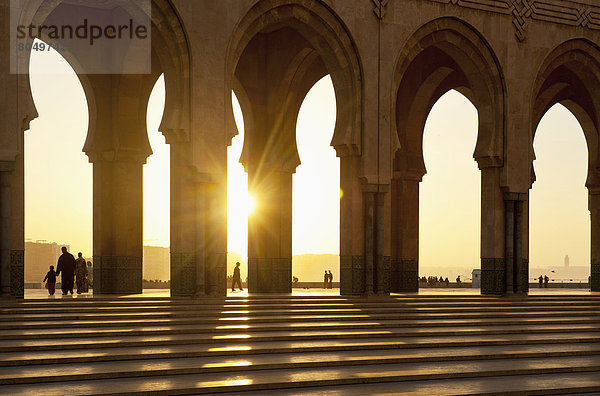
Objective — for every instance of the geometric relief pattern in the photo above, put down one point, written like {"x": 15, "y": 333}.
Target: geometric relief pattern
{"x": 404, "y": 276}
{"x": 352, "y": 275}
{"x": 563, "y": 12}
{"x": 595, "y": 277}
{"x": 117, "y": 274}
{"x": 17, "y": 272}
{"x": 270, "y": 275}
{"x": 493, "y": 276}
{"x": 525, "y": 275}
{"x": 183, "y": 274}
{"x": 384, "y": 275}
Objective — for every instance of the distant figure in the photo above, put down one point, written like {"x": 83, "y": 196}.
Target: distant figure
{"x": 237, "y": 277}
{"x": 330, "y": 275}
{"x": 458, "y": 281}
{"x": 90, "y": 276}
{"x": 294, "y": 281}
{"x": 66, "y": 265}
{"x": 541, "y": 281}
{"x": 325, "y": 280}
{"x": 546, "y": 280}
{"x": 81, "y": 274}
{"x": 447, "y": 282}
{"x": 51, "y": 278}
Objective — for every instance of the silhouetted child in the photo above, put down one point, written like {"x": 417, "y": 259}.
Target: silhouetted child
{"x": 51, "y": 278}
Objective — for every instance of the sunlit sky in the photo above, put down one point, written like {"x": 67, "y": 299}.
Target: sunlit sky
{"x": 59, "y": 178}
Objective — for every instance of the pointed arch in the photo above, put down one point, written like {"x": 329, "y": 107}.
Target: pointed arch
{"x": 327, "y": 34}
{"x": 570, "y": 75}
{"x": 446, "y": 54}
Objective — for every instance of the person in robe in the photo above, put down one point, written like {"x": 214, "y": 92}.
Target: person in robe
{"x": 81, "y": 273}
{"x": 325, "y": 280}
{"x": 330, "y": 276}
{"x": 66, "y": 266}
{"x": 237, "y": 278}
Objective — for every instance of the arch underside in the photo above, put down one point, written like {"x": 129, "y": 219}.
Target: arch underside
{"x": 441, "y": 56}
{"x": 571, "y": 76}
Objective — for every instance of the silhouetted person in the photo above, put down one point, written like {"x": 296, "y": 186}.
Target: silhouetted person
{"x": 81, "y": 273}
{"x": 330, "y": 275}
{"x": 51, "y": 278}
{"x": 458, "y": 281}
{"x": 447, "y": 282}
{"x": 541, "y": 281}
{"x": 66, "y": 265}
{"x": 90, "y": 275}
{"x": 325, "y": 280}
{"x": 237, "y": 277}
{"x": 546, "y": 280}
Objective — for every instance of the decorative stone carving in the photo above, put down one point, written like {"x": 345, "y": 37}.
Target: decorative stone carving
{"x": 183, "y": 274}
{"x": 380, "y": 8}
{"x": 555, "y": 11}
{"x": 17, "y": 272}
{"x": 270, "y": 275}
{"x": 352, "y": 274}
{"x": 117, "y": 274}
{"x": 493, "y": 276}
{"x": 595, "y": 277}
{"x": 404, "y": 276}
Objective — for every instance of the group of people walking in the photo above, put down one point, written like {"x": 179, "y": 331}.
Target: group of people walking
{"x": 72, "y": 270}
{"x": 328, "y": 280}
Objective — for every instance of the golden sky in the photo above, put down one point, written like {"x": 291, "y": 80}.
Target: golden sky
{"x": 59, "y": 178}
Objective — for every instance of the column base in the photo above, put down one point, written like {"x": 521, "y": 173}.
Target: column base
{"x": 183, "y": 274}
{"x": 595, "y": 277}
{"x": 352, "y": 275}
{"x": 493, "y": 276}
{"x": 216, "y": 275}
{"x": 117, "y": 275}
{"x": 17, "y": 273}
{"x": 270, "y": 275}
{"x": 404, "y": 276}
{"x": 525, "y": 276}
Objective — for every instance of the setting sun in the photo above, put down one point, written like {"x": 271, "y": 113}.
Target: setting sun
{"x": 250, "y": 204}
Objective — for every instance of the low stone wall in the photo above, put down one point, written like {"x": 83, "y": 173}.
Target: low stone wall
{"x": 556, "y": 285}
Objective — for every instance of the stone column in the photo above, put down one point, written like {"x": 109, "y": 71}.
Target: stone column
{"x": 383, "y": 266}
{"x": 352, "y": 256}
{"x": 369, "y": 218}
{"x": 215, "y": 236}
{"x": 594, "y": 207}
{"x": 405, "y": 233}
{"x": 516, "y": 269}
{"x": 17, "y": 227}
{"x": 184, "y": 216}
{"x": 118, "y": 233}
{"x": 493, "y": 271}
{"x": 198, "y": 228}
{"x": 6, "y": 169}
{"x": 376, "y": 268}
{"x": 270, "y": 230}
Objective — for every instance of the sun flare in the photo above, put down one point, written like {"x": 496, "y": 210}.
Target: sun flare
{"x": 250, "y": 204}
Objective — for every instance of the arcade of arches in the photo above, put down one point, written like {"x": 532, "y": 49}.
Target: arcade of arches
{"x": 389, "y": 63}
